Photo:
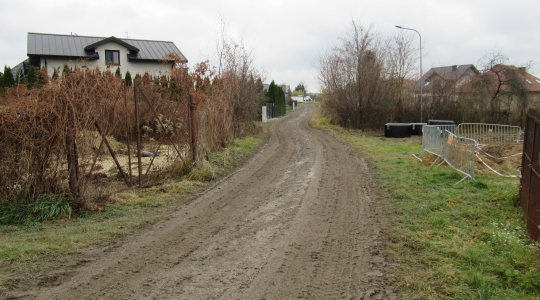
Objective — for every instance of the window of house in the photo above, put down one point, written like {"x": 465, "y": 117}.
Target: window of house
{"x": 112, "y": 57}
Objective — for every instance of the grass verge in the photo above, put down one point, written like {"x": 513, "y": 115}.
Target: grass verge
{"x": 448, "y": 242}
{"x": 26, "y": 250}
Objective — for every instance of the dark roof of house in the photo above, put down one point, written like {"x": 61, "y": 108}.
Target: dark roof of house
{"x": 449, "y": 73}
{"x": 20, "y": 66}
{"x": 43, "y": 44}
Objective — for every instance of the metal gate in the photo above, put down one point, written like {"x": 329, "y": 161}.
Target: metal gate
{"x": 530, "y": 178}
{"x": 270, "y": 110}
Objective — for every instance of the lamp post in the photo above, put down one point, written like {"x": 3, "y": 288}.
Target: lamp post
{"x": 421, "y": 83}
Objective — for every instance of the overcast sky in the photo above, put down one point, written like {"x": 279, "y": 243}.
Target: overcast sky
{"x": 286, "y": 36}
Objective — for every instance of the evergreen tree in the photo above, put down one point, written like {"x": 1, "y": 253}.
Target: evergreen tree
{"x": 280, "y": 102}
{"x": 54, "y": 74}
{"x": 301, "y": 88}
{"x": 118, "y": 73}
{"x": 31, "y": 77}
{"x": 41, "y": 77}
{"x": 66, "y": 70}
{"x": 271, "y": 94}
{"x": 127, "y": 79}
{"x": 7, "y": 78}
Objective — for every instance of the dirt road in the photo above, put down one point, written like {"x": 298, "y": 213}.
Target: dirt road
{"x": 299, "y": 220}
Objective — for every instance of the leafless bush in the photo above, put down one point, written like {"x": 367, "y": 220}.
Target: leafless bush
{"x": 363, "y": 79}
{"x": 52, "y": 136}
{"x": 47, "y": 133}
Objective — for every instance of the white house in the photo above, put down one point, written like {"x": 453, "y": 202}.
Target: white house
{"x": 53, "y": 51}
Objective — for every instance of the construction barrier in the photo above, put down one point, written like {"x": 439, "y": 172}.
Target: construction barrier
{"x": 490, "y": 134}
{"x": 460, "y": 154}
{"x": 459, "y": 146}
{"x": 433, "y": 139}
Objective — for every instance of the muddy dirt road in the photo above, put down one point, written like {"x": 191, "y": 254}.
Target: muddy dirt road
{"x": 299, "y": 220}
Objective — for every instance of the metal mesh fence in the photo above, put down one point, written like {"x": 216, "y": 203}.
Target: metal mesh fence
{"x": 433, "y": 138}
{"x": 490, "y": 134}
{"x": 460, "y": 154}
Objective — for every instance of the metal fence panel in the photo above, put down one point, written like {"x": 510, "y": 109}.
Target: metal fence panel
{"x": 490, "y": 134}
{"x": 460, "y": 154}
{"x": 434, "y": 137}
{"x": 270, "y": 110}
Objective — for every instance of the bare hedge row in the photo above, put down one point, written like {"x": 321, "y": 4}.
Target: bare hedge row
{"x": 50, "y": 135}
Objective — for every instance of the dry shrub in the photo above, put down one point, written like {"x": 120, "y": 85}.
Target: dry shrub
{"x": 43, "y": 130}
{"x": 52, "y": 136}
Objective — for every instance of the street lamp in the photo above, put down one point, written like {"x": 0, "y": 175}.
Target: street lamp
{"x": 421, "y": 83}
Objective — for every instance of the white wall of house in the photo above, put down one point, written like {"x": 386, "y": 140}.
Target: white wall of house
{"x": 297, "y": 98}
{"x": 468, "y": 76}
{"x": 134, "y": 67}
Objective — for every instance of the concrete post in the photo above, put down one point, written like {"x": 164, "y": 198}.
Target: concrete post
{"x": 264, "y": 117}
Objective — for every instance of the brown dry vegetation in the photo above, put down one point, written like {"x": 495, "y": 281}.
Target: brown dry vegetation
{"x": 366, "y": 81}
{"x": 75, "y": 136}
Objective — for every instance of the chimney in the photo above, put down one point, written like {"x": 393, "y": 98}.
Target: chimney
{"x": 523, "y": 69}
{"x": 454, "y": 67}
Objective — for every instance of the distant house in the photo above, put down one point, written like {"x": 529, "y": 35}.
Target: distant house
{"x": 53, "y": 51}
{"x": 446, "y": 78}
{"x": 508, "y": 83}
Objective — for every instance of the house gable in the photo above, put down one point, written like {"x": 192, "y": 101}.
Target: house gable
{"x": 452, "y": 76}
{"x": 95, "y": 45}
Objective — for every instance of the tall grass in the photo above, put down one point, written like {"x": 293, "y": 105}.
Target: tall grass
{"x": 46, "y": 207}
{"x": 448, "y": 242}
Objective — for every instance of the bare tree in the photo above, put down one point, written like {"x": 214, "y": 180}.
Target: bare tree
{"x": 363, "y": 78}
{"x": 499, "y": 94}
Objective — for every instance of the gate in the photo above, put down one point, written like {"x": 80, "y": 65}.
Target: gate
{"x": 270, "y": 110}
{"x": 530, "y": 178}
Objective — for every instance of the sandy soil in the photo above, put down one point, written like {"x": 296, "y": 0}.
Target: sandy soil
{"x": 301, "y": 219}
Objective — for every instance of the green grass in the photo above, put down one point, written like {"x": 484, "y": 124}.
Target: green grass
{"x": 46, "y": 207}
{"x": 28, "y": 249}
{"x": 449, "y": 242}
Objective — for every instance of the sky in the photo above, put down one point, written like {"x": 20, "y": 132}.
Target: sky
{"x": 286, "y": 37}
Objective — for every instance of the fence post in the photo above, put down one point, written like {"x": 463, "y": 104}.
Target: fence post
{"x": 193, "y": 125}
{"x": 137, "y": 125}
{"x": 264, "y": 115}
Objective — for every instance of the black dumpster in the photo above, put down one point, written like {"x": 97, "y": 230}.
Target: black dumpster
{"x": 397, "y": 130}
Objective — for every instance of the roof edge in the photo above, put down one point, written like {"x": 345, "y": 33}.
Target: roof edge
{"x": 112, "y": 39}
